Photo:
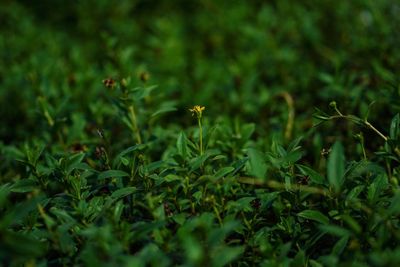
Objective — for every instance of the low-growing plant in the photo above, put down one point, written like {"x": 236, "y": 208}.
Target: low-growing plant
{"x": 99, "y": 166}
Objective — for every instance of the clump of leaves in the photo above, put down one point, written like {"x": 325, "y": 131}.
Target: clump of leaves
{"x": 121, "y": 173}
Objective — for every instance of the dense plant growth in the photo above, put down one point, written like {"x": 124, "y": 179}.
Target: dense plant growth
{"x": 199, "y": 133}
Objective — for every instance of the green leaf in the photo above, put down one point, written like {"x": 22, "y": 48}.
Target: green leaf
{"x": 62, "y": 215}
{"x": 326, "y": 77}
{"x": 379, "y": 184}
{"x": 314, "y": 215}
{"x": 4, "y": 192}
{"x": 219, "y": 157}
{"x": 74, "y": 161}
{"x": 163, "y": 110}
{"x": 294, "y": 145}
{"x": 242, "y": 204}
{"x": 293, "y": 157}
{"x": 112, "y": 173}
{"x": 229, "y": 255}
{"x": 340, "y": 246}
{"x": 24, "y": 186}
{"x": 83, "y": 167}
{"x": 172, "y": 177}
{"x": 123, "y": 192}
{"x": 33, "y": 154}
{"x": 358, "y": 169}
{"x": 257, "y": 163}
{"x": 288, "y": 182}
{"x": 394, "y": 127}
{"x": 352, "y": 223}
{"x": 22, "y": 245}
{"x": 353, "y": 194}
{"x": 150, "y": 255}
{"x": 223, "y": 172}
{"x": 181, "y": 144}
{"x": 299, "y": 260}
{"x": 195, "y": 163}
{"x": 239, "y": 164}
{"x": 394, "y": 207}
{"x": 336, "y": 166}
{"x": 127, "y": 151}
{"x": 335, "y": 230}
{"x": 19, "y": 212}
{"x": 314, "y": 176}
{"x": 247, "y": 130}
{"x": 153, "y": 166}
{"x": 124, "y": 161}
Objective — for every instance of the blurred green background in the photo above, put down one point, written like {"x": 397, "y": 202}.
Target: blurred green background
{"x": 251, "y": 64}
{"x": 234, "y": 57}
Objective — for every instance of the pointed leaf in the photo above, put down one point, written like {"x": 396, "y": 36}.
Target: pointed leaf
{"x": 336, "y": 166}
{"x": 340, "y": 245}
{"x": 395, "y": 127}
{"x": 112, "y": 173}
{"x": 314, "y": 176}
{"x": 314, "y": 215}
{"x": 123, "y": 192}
{"x": 257, "y": 163}
{"x": 181, "y": 144}
{"x": 223, "y": 172}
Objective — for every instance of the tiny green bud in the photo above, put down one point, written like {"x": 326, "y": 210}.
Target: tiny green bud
{"x": 124, "y": 82}
{"x": 359, "y": 136}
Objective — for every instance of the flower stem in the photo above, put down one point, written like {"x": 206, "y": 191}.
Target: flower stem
{"x": 369, "y": 125}
{"x": 132, "y": 116}
{"x": 200, "y": 136}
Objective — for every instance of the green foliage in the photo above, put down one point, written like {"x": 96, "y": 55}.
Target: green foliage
{"x": 336, "y": 168}
{"x": 293, "y": 161}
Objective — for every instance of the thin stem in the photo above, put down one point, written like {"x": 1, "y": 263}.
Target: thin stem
{"x": 338, "y": 112}
{"x": 363, "y": 150}
{"x": 216, "y": 211}
{"x": 361, "y": 138}
{"x": 200, "y": 136}
{"x": 388, "y": 169}
{"x": 50, "y": 120}
{"x": 291, "y": 113}
{"x": 45, "y": 110}
{"x": 369, "y": 125}
{"x": 134, "y": 123}
{"x": 277, "y": 185}
{"x": 365, "y": 122}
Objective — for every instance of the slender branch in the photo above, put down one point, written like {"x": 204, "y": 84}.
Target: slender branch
{"x": 277, "y": 185}
{"x": 134, "y": 123}
{"x": 364, "y": 122}
{"x": 291, "y": 113}
{"x": 369, "y": 125}
{"x": 200, "y": 136}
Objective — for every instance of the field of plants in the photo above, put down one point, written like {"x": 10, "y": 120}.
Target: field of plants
{"x": 199, "y": 133}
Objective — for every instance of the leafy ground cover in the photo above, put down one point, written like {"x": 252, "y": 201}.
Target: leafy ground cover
{"x": 199, "y": 133}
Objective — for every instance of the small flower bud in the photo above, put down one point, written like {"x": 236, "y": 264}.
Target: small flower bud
{"x": 144, "y": 76}
{"x": 109, "y": 83}
{"x": 197, "y": 110}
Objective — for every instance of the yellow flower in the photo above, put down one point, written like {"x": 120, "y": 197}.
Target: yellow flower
{"x": 198, "y": 110}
